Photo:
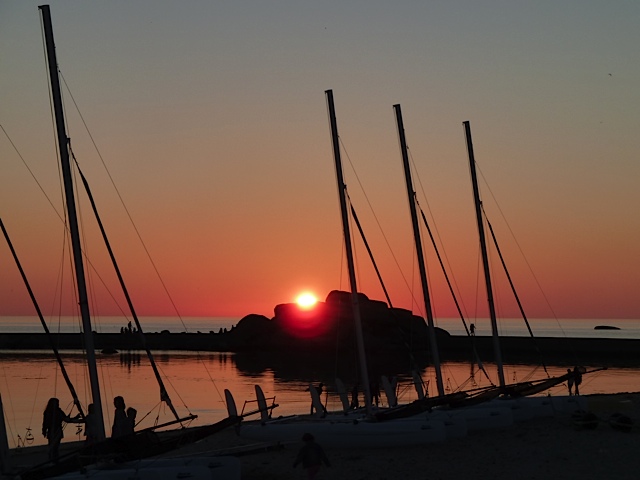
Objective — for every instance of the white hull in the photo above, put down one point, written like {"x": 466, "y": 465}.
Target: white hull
{"x": 454, "y": 426}
{"x": 193, "y": 468}
{"x": 482, "y": 417}
{"x": 348, "y": 434}
{"x": 528, "y": 408}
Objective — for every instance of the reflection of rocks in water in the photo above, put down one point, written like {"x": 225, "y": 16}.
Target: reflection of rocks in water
{"x": 314, "y": 367}
{"x": 163, "y": 357}
{"x": 129, "y": 359}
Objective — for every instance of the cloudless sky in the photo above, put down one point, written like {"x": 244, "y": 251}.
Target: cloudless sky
{"x": 211, "y": 119}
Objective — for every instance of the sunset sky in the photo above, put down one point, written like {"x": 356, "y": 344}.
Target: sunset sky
{"x": 211, "y": 119}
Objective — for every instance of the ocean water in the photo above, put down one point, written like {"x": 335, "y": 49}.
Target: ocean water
{"x": 570, "y": 328}
{"x": 196, "y": 382}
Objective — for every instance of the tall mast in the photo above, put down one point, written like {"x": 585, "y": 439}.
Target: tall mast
{"x": 485, "y": 257}
{"x": 421, "y": 263}
{"x": 355, "y": 306}
{"x": 71, "y": 213}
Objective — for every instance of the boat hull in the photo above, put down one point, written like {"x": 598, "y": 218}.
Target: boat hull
{"x": 349, "y": 434}
{"x": 194, "y": 468}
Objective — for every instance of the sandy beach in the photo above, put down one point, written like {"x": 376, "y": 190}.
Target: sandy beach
{"x": 540, "y": 449}
{"x": 546, "y": 448}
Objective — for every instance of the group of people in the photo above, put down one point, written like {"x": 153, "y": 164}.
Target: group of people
{"x": 53, "y": 417}
{"x": 128, "y": 329}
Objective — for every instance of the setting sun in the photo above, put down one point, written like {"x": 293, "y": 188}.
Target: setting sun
{"x": 306, "y": 300}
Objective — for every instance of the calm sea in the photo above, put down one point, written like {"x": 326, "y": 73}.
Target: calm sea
{"x": 196, "y": 382}
{"x": 570, "y": 328}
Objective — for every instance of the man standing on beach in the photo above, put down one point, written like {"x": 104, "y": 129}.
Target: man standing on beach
{"x": 312, "y": 456}
{"x": 577, "y": 379}
{"x": 570, "y": 381}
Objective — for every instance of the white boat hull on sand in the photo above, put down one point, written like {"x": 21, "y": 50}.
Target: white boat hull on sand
{"x": 482, "y": 418}
{"x": 348, "y": 434}
{"x": 454, "y": 426}
{"x": 193, "y": 468}
{"x": 528, "y": 408}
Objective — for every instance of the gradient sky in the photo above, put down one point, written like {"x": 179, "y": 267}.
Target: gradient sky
{"x": 212, "y": 121}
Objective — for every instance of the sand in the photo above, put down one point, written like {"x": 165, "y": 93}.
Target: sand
{"x": 542, "y": 449}
{"x": 546, "y": 448}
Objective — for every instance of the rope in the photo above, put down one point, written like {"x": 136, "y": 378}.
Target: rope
{"x": 378, "y": 223}
{"x": 144, "y": 246}
{"x": 134, "y": 227}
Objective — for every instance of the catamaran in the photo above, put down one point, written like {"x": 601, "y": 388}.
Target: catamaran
{"x": 124, "y": 453}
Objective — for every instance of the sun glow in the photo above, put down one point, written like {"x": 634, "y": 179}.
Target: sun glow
{"x": 306, "y": 300}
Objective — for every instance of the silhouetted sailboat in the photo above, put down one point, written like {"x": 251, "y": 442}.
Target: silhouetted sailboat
{"x": 144, "y": 443}
{"x": 354, "y": 429}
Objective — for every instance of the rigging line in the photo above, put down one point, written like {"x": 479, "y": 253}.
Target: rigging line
{"x": 164, "y": 395}
{"x": 522, "y": 252}
{"x": 376, "y": 217}
{"x": 416, "y": 173}
{"x": 215, "y": 385}
{"x": 13, "y": 412}
{"x": 444, "y": 271}
{"x": 63, "y": 370}
{"x": 60, "y": 217}
{"x": 375, "y": 266}
{"x": 144, "y": 246}
{"x": 513, "y": 288}
{"x": 455, "y": 300}
{"x": 31, "y": 172}
{"x": 373, "y": 261}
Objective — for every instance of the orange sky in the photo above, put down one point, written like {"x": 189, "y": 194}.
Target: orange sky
{"x": 213, "y": 125}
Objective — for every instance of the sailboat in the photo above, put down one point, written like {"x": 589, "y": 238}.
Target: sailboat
{"x": 441, "y": 405}
{"x": 126, "y": 451}
{"x": 356, "y": 429}
{"x": 517, "y": 396}
{"x": 507, "y": 403}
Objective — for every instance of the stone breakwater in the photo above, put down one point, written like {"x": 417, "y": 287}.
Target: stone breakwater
{"x": 571, "y": 350}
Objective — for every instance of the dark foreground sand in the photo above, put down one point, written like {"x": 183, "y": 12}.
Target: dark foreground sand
{"x": 550, "y": 448}
{"x": 543, "y": 449}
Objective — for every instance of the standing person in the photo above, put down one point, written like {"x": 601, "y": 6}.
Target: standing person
{"x": 312, "y": 456}
{"x": 120, "y": 422}
{"x": 91, "y": 425}
{"x": 354, "y": 398}
{"x": 52, "y": 419}
{"x": 131, "y": 418}
{"x": 319, "y": 389}
{"x": 374, "y": 387}
{"x": 570, "y": 381}
{"x": 577, "y": 378}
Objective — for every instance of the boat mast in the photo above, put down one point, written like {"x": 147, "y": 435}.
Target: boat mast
{"x": 73, "y": 219}
{"x": 355, "y": 306}
{"x": 56, "y": 353}
{"x": 485, "y": 257}
{"x": 421, "y": 263}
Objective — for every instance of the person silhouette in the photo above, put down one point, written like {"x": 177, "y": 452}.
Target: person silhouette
{"x": 577, "y": 379}
{"x": 131, "y": 418}
{"x": 354, "y": 398}
{"x": 374, "y": 388}
{"x": 312, "y": 456}
{"x": 91, "y": 425}
{"x": 121, "y": 424}
{"x": 319, "y": 388}
{"x": 52, "y": 430}
{"x": 570, "y": 380}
